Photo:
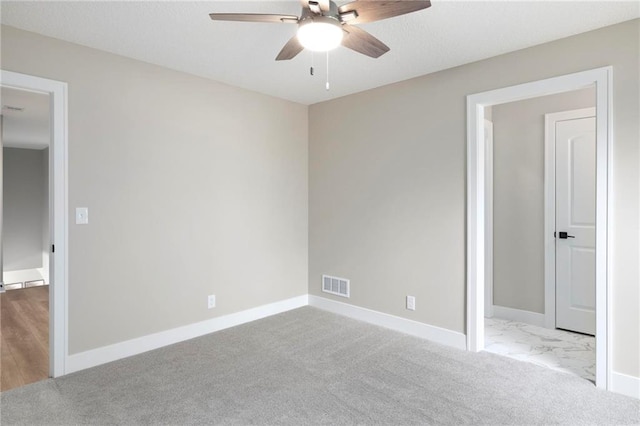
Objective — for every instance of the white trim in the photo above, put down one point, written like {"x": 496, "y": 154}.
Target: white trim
{"x": 94, "y": 357}
{"x": 602, "y": 78}
{"x": 604, "y": 228}
{"x": 625, "y": 384}
{"x": 550, "y": 121}
{"x": 58, "y": 312}
{"x": 488, "y": 289}
{"x": 403, "y": 325}
{"x": 23, "y": 275}
{"x": 549, "y": 223}
{"x": 519, "y": 315}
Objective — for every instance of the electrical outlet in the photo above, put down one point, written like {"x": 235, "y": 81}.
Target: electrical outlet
{"x": 411, "y": 303}
{"x": 211, "y": 301}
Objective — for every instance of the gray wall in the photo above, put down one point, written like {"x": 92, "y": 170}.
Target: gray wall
{"x": 518, "y": 197}
{"x": 23, "y": 206}
{"x": 193, "y": 188}
{"x": 387, "y": 183}
{"x": 1, "y": 198}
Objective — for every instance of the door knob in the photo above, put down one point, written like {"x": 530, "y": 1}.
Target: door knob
{"x": 563, "y": 235}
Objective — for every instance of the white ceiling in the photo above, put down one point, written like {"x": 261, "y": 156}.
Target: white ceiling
{"x": 29, "y": 128}
{"x": 180, "y": 35}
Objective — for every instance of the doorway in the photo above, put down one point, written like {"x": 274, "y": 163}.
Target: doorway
{"x": 56, "y": 250}
{"x": 25, "y": 237}
{"x": 528, "y": 144}
{"x": 477, "y": 255}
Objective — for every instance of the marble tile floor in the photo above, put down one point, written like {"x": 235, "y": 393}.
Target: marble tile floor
{"x": 556, "y": 349}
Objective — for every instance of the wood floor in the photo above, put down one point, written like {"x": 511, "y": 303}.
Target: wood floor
{"x": 24, "y": 334}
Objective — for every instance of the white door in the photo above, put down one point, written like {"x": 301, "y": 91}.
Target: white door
{"x": 575, "y": 224}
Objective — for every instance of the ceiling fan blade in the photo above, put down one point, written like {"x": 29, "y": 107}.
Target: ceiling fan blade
{"x": 321, "y": 5}
{"x": 362, "y": 42}
{"x": 375, "y": 10}
{"x": 290, "y": 50}
{"x": 254, "y": 17}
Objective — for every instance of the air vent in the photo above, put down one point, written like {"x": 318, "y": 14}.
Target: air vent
{"x": 335, "y": 285}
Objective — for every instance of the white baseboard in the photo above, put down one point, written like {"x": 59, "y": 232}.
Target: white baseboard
{"x": 105, "y": 354}
{"x": 620, "y": 383}
{"x": 625, "y": 385}
{"x": 403, "y": 325}
{"x": 22, "y": 275}
{"x": 527, "y": 317}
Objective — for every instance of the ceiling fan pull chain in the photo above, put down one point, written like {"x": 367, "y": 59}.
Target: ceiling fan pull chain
{"x": 311, "y": 70}
{"x": 327, "y": 85}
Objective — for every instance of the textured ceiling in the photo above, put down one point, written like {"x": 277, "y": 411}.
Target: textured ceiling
{"x": 28, "y": 128}
{"x": 180, "y": 35}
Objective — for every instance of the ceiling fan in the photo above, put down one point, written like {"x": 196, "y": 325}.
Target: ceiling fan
{"x": 323, "y": 25}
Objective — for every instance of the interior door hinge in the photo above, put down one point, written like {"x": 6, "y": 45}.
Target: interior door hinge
{"x": 53, "y": 248}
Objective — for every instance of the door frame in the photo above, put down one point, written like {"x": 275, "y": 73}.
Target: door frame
{"x": 550, "y": 206}
{"x": 476, "y": 193}
{"x": 58, "y": 210}
{"x": 488, "y": 287}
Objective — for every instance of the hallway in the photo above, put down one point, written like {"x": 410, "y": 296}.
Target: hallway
{"x": 24, "y": 333}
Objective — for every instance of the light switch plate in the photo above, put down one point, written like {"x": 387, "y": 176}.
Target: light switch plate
{"x": 411, "y": 303}
{"x": 82, "y": 215}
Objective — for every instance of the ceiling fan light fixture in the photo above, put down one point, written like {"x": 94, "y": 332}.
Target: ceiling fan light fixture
{"x": 320, "y": 34}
